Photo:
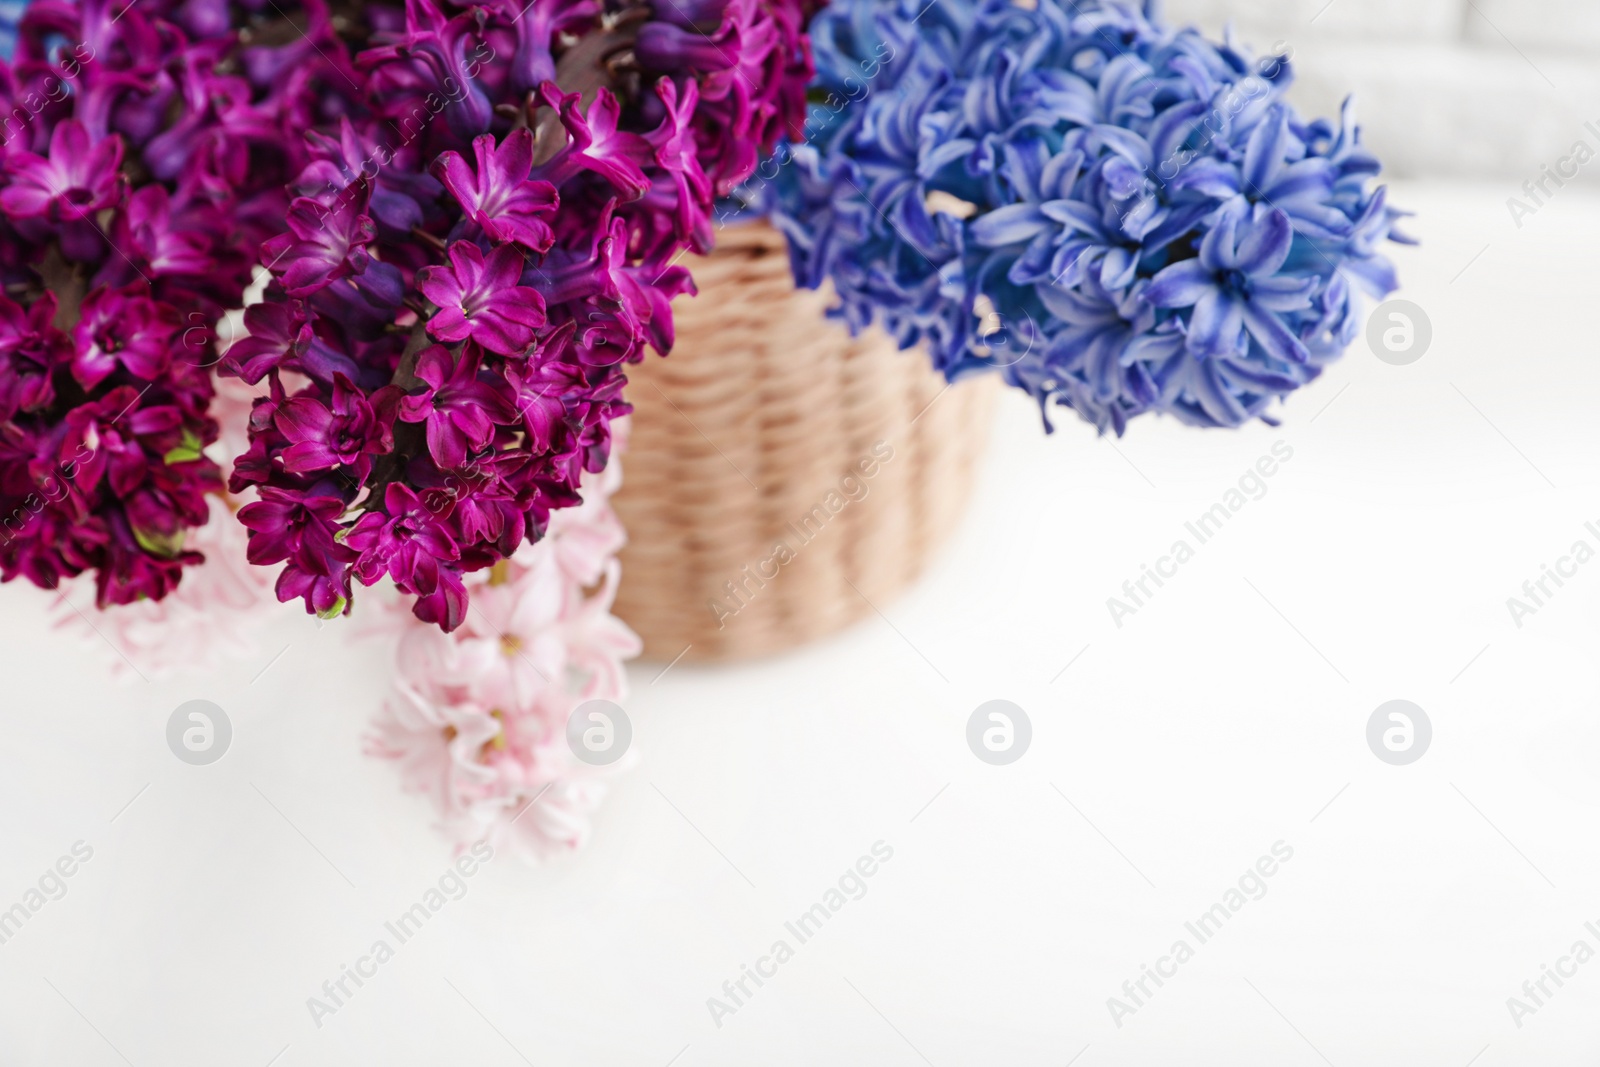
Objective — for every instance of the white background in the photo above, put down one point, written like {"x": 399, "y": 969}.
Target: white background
{"x": 1171, "y": 754}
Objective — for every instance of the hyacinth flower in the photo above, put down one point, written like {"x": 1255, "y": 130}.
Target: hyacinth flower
{"x": 1118, "y": 216}
{"x": 484, "y": 236}
{"x": 141, "y": 167}
{"x": 476, "y": 718}
{"x": 219, "y": 609}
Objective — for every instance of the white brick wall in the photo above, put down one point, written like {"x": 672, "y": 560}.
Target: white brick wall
{"x": 1462, "y": 88}
{"x": 1410, "y": 19}
{"x": 1560, "y": 25}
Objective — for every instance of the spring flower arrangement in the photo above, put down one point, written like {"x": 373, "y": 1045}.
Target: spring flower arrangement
{"x": 467, "y": 220}
{"x": 480, "y": 243}
{"x": 477, "y": 717}
{"x": 144, "y": 153}
{"x": 1121, "y": 217}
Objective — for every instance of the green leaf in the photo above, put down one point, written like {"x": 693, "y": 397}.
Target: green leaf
{"x": 187, "y": 452}
{"x": 165, "y": 546}
{"x": 335, "y": 611}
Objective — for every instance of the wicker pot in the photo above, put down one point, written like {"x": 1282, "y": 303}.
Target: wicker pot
{"x": 783, "y": 479}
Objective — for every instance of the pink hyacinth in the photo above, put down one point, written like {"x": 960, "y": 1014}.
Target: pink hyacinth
{"x": 477, "y": 717}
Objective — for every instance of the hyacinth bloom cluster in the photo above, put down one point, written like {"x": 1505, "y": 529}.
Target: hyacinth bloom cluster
{"x": 477, "y": 717}
{"x": 478, "y": 246}
{"x": 1121, "y": 217}
{"x": 142, "y": 158}
{"x": 220, "y": 607}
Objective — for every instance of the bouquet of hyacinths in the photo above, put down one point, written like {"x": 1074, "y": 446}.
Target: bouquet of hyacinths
{"x": 1121, "y": 217}
{"x": 143, "y": 158}
{"x": 479, "y": 244}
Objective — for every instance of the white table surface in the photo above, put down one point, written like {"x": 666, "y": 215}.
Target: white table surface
{"x": 1222, "y": 718}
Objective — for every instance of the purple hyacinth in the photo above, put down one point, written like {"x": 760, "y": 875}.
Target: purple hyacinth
{"x": 483, "y": 238}
{"x": 497, "y": 194}
{"x": 140, "y": 172}
{"x": 346, "y": 432}
{"x": 458, "y": 404}
{"x": 410, "y": 542}
{"x": 481, "y": 299}
{"x": 322, "y": 246}
{"x": 78, "y": 178}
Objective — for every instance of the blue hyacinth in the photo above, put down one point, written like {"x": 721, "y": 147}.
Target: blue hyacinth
{"x": 10, "y": 16}
{"x": 1119, "y": 217}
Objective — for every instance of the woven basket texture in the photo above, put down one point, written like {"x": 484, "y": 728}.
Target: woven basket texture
{"x": 783, "y": 478}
